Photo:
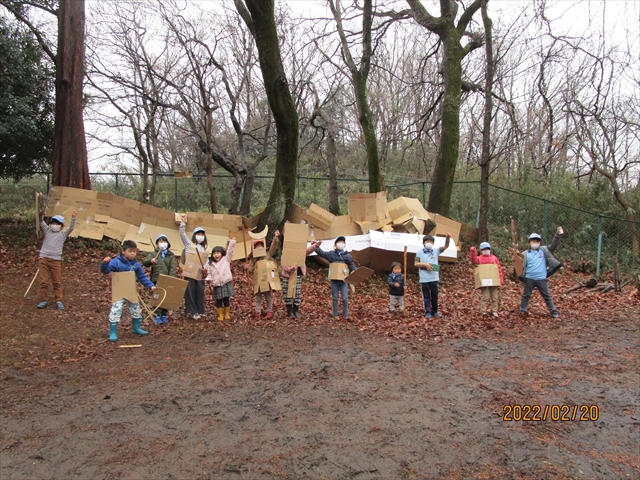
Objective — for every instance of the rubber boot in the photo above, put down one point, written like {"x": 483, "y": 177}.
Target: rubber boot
{"x": 135, "y": 327}
{"x": 290, "y": 310}
{"x": 295, "y": 311}
{"x": 113, "y": 329}
{"x": 220, "y": 314}
{"x": 227, "y": 313}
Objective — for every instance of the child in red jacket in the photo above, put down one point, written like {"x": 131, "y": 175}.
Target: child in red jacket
{"x": 486, "y": 257}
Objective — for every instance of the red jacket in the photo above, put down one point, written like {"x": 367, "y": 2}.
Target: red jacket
{"x": 485, "y": 260}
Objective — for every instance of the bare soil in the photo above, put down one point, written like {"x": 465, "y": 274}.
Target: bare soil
{"x": 314, "y": 398}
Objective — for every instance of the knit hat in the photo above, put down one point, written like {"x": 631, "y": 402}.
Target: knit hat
{"x": 484, "y": 246}
{"x": 165, "y": 237}
{"x": 58, "y": 218}
{"x": 534, "y": 236}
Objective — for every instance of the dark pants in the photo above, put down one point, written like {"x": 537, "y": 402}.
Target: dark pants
{"x": 430, "y": 296}
{"x": 543, "y": 288}
{"x": 194, "y": 297}
{"x": 220, "y": 302}
{"x": 338, "y": 287}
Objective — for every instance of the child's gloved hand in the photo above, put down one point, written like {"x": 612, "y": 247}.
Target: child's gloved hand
{"x": 106, "y": 260}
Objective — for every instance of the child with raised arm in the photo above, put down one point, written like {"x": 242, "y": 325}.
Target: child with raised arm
{"x": 294, "y": 273}
{"x": 162, "y": 262}
{"x": 219, "y": 276}
{"x": 126, "y": 262}
{"x": 194, "y": 295}
{"x": 486, "y": 257}
{"x": 50, "y": 258}
{"x": 261, "y": 259}
{"x": 427, "y": 263}
{"x": 338, "y": 287}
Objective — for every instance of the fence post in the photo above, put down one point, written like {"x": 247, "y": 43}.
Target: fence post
{"x": 48, "y": 184}
{"x": 599, "y": 245}
{"x": 116, "y": 183}
{"x": 175, "y": 193}
{"x": 544, "y": 220}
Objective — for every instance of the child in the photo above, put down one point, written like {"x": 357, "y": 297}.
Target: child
{"x": 487, "y": 258}
{"x": 257, "y": 257}
{"x": 162, "y": 262}
{"x": 427, "y": 263}
{"x": 296, "y": 273}
{"x": 396, "y": 283}
{"x": 50, "y": 261}
{"x": 219, "y": 275}
{"x": 194, "y": 295}
{"x": 538, "y": 264}
{"x": 338, "y": 255}
{"x": 126, "y": 262}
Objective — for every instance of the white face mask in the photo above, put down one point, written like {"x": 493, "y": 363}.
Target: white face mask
{"x": 163, "y": 246}
{"x": 55, "y": 228}
{"x": 486, "y": 252}
{"x": 340, "y": 246}
{"x": 534, "y": 245}
{"x": 428, "y": 246}
{"x": 199, "y": 238}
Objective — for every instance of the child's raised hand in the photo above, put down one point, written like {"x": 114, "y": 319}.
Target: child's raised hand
{"x": 277, "y": 233}
{"x": 106, "y": 260}
{"x": 183, "y": 217}
{"x": 74, "y": 214}
{"x": 317, "y": 244}
{"x": 233, "y": 238}
{"x": 448, "y": 236}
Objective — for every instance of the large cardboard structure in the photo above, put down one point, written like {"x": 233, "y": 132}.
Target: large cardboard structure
{"x": 294, "y": 247}
{"x": 486, "y": 275}
{"x": 169, "y": 293}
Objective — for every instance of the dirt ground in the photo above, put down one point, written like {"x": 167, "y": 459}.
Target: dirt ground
{"x": 314, "y": 398}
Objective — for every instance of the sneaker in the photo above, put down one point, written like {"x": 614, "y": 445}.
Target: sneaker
{"x": 524, "y": 313}
{"x": 257, "y": 315}
{"x": 158, "y": 320}
{"x": 59, "y": 306}
{"x": 43, "y": 304}
{"x": 495, "y": 314}
{"x": 269, "y": 315}
{"x": 555, "y": 315}
{"x": 164, "y": 319}
{"x": 428, "y": 315}
{"x": 195, "y": 316}
{"x": 437, "y": 314}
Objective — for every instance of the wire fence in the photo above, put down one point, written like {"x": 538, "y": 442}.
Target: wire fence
{"x": 590, "y": 238}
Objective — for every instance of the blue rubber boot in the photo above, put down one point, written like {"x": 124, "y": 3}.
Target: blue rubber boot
{"x": 113, "y": 329}
{"x": 164, "y": 319}
{"x": 135, "y": 327}
{"x": 159, "y": 320}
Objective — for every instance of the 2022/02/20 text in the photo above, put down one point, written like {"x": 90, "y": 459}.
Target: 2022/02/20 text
{"x": 563, "y": 413}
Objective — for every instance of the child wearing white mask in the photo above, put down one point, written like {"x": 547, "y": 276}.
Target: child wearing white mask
{"x": 428, "y": 268}
{"x": 194, "y": 295}
{"x": 538, "y": 264}
{"x": 162, "y": 262}
{"x": 485, "y": 258}
{"x": 338, "y": 287}
{"x": 50, "y": 258}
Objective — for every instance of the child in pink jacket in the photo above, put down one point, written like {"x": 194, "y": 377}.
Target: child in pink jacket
{"x": 219, "y": 275}
{"x": 486, "y": 257}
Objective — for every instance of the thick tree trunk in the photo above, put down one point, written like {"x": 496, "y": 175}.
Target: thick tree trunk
{"x": 369, "y": 130}
{"x": 263, "y": 26}
{"x": 447, "y": 160}
{"x": 236, "y": 191}
{"x": 245, "y": 207}
{"x": 334, "y": 204}
{"x": 70, "y": 165}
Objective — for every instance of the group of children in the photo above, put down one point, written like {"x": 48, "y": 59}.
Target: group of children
{"x": 538, "y": 262}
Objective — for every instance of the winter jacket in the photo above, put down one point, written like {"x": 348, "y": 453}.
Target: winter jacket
{"x": 392, "y": 279}
{"x": 553, "y": 264}
{"x": 163, "y": 266}
{"x": 121, "y": 264}
{"x": 333, "y": 256}
{"x": 288, "y": 269}
{"x": 486, "y": 260}
{"x": 219, "y": 273}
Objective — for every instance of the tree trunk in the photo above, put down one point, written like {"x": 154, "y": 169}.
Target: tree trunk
{"x": 236, "y": 191}
{"x": 447, "y": 159}
{"x": 245, "y": 207}
{"x": 70, "y": 164}
{"x": 485, "y": 160}
{"x": 261, "y": 22}
{"x": 370, "y": 139}
{"x": 210, "y": 184}
{"x": 334, "y": 204}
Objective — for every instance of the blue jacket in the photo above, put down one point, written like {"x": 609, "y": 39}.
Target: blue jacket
{"x": 121, "y": 264}
{"x": 553, "y": 264}
{"x": 333, "y": 256}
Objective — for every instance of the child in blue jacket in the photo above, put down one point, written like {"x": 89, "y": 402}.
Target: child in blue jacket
{"x": 338, "y": 287}
{"x": 126, "y": 262}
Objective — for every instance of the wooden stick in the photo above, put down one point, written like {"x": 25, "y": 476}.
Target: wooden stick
{"x": 202, "y": 265}
{"x": 129, "y": 346}
{"x": 404, "y": 312}
{"x": 31, "y": 284}
{"x": 246, "y": 262}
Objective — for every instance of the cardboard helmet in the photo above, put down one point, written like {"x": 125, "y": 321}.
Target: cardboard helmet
{"x": 259, "y": 242}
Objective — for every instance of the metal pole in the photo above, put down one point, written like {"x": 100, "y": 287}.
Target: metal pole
{"x": 175, "y": 193}
{"x": 599, "y": 245}
{"x": 544, "y": 220}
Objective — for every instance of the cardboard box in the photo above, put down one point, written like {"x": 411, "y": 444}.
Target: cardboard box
{"x": 239, "y": 250}
{"x": 296, "y": 214}
{"x": 341, "y": 225}
{"x": 366, "y": 227}
{"x": 446, "y": 225}
{"x": 116, "y": 229}
{"x": 410, "y": 216}
{"x": 266, "y": 276}
{"x": 151, "y": 232}
{"x": 319, "y": 217}
{"x": 368, "y": 207}
{"x": 85, "y": 202}
{"x": 192, "y": 268}
{"x": 338, "y": 271}
{"x": 132, "y": 204}
{"x": 174, "y": 289}
{"x": 126, "y": 214}
{"x": 358, "y": 275}
{"x": 123, "y": 285}
{"x": 144, "y": 243}
{"x": 294, "y": 248}
{"x": 486, "y": 275}
{"x": 88, "y": 229}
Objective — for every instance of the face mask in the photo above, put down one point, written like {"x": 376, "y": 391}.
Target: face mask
{"x": 199, "y": 238}
{"x": 55, "y": 228}
{"x": 428, "y": 246}
{"x": 486, "y": 252}
{"x": 340, "y": 246}
{"x": 163, "y": 246}
{"x": 534, "y": 245}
